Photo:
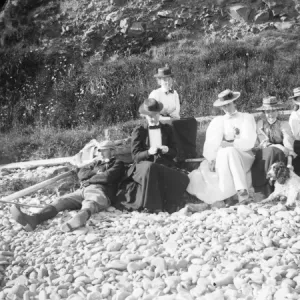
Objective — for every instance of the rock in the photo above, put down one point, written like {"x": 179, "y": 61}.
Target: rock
{"x": 240, "y": 12}
{"x": 124, "y": 25}
{"x": 117, "y": 265}
{"x": 113, "y": 246}
{"x": 262, "y": 17}
{"x": 284, "y": 25}
{"x": 94, "y": 296}
{"x": 118, "y": 2}
{"x": 136, "y": 29}
{"x": 91, "y": 238}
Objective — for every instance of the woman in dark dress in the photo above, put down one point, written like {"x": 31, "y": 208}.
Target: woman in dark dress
{"x": 159, "y": 185}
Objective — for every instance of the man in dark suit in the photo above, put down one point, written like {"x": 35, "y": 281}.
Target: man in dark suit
{"x": 99, "y": 180}
{"x": 153, "y": 147}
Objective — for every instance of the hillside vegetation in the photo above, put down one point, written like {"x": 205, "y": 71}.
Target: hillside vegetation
{"x": 55, "y": 98}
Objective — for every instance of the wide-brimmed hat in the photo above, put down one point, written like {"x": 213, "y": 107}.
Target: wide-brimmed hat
{"x": 271, "y": 103}
{"x": 296, "y": 92}
{"x": 164, "y": 72}
{"x": 106, "y": 145}
{"x": 150, "y": 107}
{"x": 226, "y": 97}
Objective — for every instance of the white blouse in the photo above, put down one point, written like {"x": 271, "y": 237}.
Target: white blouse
{"x": 170, "y": 101}
{"x": 239, "y": 127}
{"x": 294, "y": 122}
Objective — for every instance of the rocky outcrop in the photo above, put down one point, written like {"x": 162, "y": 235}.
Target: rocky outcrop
{"x": 116, "y": 26}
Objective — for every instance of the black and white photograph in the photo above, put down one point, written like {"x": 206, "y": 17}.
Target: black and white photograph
{"x": 149, "y": 149}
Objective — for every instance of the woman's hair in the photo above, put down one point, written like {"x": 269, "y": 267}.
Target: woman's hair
{"x": 296, "y": 107}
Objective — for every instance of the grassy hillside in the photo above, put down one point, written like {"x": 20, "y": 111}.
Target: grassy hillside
{"x": 85, "y": 98}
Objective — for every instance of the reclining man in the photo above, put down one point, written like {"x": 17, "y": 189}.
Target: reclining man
{"x": 99, "y": 181}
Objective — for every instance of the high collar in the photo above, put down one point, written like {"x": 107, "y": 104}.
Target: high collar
{"x": 272, "y": 122}
{"x": 232, "y": 115}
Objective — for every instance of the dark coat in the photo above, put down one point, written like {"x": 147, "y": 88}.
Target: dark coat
{"x": 108, "y": 178}
{"x": 140, "y": 145}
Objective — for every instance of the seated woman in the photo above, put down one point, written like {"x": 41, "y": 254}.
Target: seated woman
{"x": 159, "y": 187}
{"x": 227, "y": 150}
{"x": 185, "y": 130}
{"x": 294, "y": 122}
{"x": 275, "y": 143}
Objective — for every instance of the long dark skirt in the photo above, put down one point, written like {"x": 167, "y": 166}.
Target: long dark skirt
{"x": 296, "y": 161}
{"x": 296, "y": 165}
{"x": 157, "y": 187}
{"x": 264, "y": 158}
{"x": 185, "y": 133}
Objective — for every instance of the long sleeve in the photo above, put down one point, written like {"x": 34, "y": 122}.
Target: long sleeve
{"x": 294, "y": 122}
{"x": 245, "y": 141}
{"x": 288, "y": 139}
{"x": 213, "y": 138}
{"x": 86, "y": 172}
{"x": 139, "y": 149}
{"x": 112, "y": 175}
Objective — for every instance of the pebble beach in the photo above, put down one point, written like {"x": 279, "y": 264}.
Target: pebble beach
{"x": 245, "y": 252}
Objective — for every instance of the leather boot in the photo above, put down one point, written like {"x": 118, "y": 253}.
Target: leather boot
{"x": 30, "y": 222}
{"x": 79, "y": 220}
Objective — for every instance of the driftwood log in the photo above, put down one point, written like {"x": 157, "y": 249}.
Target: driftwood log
{"x": 33, "y": 189}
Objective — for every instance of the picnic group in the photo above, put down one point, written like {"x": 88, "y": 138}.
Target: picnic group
{"x": 237, "y": 154}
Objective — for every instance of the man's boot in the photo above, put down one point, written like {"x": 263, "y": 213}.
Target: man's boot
{"x": 79, "y": 220}
{"x": 30, "y": 222}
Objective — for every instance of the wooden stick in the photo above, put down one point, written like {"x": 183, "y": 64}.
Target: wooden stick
{"x": 36, "y": 187}
{"x": 21, "y": 204}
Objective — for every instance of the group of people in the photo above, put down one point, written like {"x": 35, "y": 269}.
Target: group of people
{"x": 238, "y": 152}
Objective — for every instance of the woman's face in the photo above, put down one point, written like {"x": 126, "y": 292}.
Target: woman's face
{"x": 228, "y": 108}
{"x": 271, "y": 116}
{"x": 166, "y": 83}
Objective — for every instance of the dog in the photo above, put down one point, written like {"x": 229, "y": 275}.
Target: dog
{"x": 287, "y": 184}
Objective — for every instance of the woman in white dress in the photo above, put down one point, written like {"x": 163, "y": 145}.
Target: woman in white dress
{"x": 294, "y": 122}
{"x": 228, "y": 155}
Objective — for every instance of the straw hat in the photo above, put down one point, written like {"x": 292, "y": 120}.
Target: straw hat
{"x": 150, "y": 107}
{"x": 296, "y": 92}
{"x": 164, "y": 72}
{"x": 271, "y": 103}
{"x": 106, "y": 145}
{"x": 226, "y": 97}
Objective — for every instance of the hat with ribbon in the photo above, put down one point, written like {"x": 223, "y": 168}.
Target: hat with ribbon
{"x": 150, "y": 107}
{"x": 226, "y": 97}
{"x": 271, "y": 103}
{"x": 164, "y": 72}
{"x": 104, "y": 145}
{"x": 296, "y": 92}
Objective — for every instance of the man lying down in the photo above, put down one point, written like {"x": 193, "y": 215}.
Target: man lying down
{"x": 99, "y": 181}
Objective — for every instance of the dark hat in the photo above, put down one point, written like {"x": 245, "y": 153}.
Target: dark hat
{"x": 164, "y": 72}
{"x": 226, "y": 97}
{"x": 150, "y": 107}
{"x": 271, "y": 103}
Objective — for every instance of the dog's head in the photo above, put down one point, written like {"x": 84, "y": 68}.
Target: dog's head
{"x": 279, "y": 172}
